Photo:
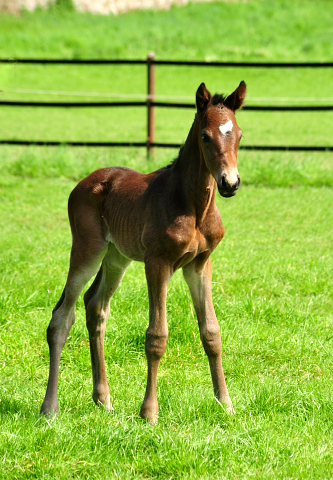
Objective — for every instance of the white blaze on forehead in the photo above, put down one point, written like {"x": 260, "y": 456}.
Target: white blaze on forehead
{"x": 227, "y": 127}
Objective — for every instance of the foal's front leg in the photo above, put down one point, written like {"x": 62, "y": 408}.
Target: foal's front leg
{"x": 158, "y": 274}
{"x": 198, "y": 275}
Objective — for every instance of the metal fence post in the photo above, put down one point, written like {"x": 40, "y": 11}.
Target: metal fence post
{"x": 150, "y": 107}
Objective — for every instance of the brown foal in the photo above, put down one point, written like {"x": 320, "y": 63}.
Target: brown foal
{"x": 167, "y": 219}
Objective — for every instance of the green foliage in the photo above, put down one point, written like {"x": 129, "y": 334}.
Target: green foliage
{"x": 64, "y": 5}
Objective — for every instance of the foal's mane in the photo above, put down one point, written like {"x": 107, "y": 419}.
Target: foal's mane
{"x": 174, "y": 160}
{"x": 218, "y": 99}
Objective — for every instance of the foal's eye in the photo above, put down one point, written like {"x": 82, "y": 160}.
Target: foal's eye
{"x": 205, "y": 137}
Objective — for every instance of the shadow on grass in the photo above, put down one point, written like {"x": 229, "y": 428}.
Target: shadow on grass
{"x": 9, "y": 407}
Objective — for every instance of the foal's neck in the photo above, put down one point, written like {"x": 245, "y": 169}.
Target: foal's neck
{"x": 198, "y": 183}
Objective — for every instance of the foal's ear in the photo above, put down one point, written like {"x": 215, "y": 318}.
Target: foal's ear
{"x": 203, "y": 98}
{"x": 236, "y": 99}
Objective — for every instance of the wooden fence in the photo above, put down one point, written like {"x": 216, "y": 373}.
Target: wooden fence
{"x": 150, "y": 104}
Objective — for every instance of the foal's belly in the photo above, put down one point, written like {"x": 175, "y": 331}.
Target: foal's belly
{"x": 127, "y": 240}
{"x": 129, "y": 252}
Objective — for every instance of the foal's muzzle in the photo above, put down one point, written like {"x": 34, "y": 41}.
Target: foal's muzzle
{"x": 227, "y": 189}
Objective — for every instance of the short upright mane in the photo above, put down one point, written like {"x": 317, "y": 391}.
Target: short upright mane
{"x": 218, "y": 99}
{"x": 174, "y": 160}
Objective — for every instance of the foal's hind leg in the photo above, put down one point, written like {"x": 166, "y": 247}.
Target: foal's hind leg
{"x": 97, "y": 302}
{"x": 81, "y": 270}
{"x": 198, "y": 275}
{"x": 88, "y": 249}
{"x": 84, "y": 264}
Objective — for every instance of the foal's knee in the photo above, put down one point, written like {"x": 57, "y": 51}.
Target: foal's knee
{"x": 211, "y": 341}
{"x": 155, "y": 343}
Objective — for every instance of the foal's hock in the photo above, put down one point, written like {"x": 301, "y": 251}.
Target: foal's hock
{"x": 168, "y": 220}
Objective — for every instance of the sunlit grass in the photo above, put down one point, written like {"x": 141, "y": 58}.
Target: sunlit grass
{"x": 272, "y": 293}
{"x": 274, "y": 30}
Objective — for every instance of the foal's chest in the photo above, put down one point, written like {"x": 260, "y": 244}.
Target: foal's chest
{"x": 211, "y": 230}
{"x": 186, "y": 240}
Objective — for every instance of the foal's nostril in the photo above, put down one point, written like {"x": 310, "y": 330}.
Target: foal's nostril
{"x": 226, "y": 185}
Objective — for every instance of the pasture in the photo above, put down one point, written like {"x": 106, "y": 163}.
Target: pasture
{"x": 272, "y": 273}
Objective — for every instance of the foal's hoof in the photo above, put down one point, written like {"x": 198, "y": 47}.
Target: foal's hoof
{"x": 151, "y": 419}
{"x": 149, "y": 413}
{"x": 227, "y": 404}
{"x": 230, "y": 410}
{"x": 103, "y": 402}
{"x": 49, "y": 410}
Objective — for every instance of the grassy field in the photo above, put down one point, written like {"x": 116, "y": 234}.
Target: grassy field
{"x": 262, "y": 30}
{"x": 273, "y": 272}
{"x": 273, "y": 297}
{"x": 246, "y": 31}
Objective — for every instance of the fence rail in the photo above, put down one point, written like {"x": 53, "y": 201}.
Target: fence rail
{"x": 273, "y": 108}
{"x": 150, "y": 102}
{"x": 168, "y": 62}
{"x": 159, "y": 144}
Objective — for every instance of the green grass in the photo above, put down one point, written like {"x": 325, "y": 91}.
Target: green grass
{"x": 270, "y": 169}
{"x": 129, "y": 123}
{"x": 273, "y": 297}
{"x": 261, "y": 30}
{"x": 272, "y": 274}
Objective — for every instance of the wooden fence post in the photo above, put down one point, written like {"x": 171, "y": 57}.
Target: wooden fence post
{"x": 150, "y": 107}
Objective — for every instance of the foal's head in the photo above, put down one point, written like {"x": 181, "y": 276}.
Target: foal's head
{"x": 220, "y": 135}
